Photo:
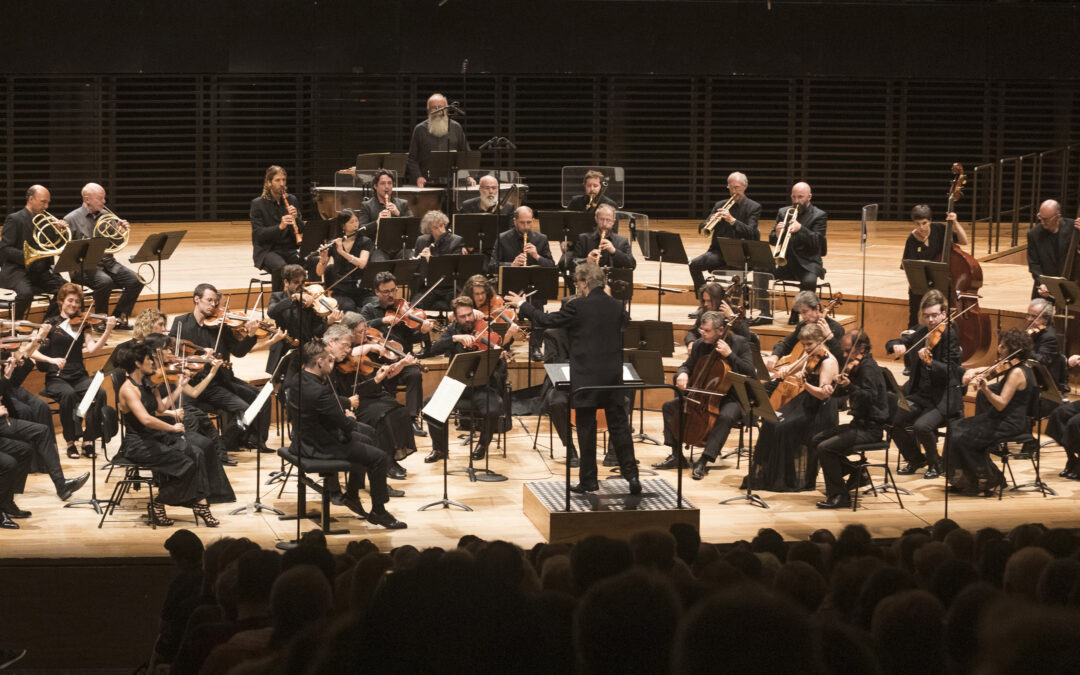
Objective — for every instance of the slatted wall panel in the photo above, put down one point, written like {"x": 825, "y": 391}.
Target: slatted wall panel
{"x": 175, "y": 147}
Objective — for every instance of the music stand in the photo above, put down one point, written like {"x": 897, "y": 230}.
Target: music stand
{"x": 522, "y": 280}
{"x": 79, "y": 254}
{"x": 373, "y": 161}
{"x": 401, "y": 228}
{"x": 657, "y": 336}
{"x": 650, "y": 366}
{"x": 566, "y": 227}
{"x": 456, "y": 267}
{"x": 753, "y": 254}
{"x": 479, "y": 230}
{"x": 438, "y": 409}
{"x": 89, "y": 400}
{"x": 448, "y": 163}
{"x": 922, "y": 275}
{"x": 660, "y": 246}
{"x": 1066, "y": 294}
{"x": 474, "y": 369}
{"x": 316, "y": 233}
{"x": 403, "y": 270}
{"x": 621, "y": 281}
{"x": 754, "y": 399}
{"x": 158, "y": 247}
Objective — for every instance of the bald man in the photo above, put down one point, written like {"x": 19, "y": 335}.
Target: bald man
{"x": 437, "y": 132}
{"x": 521, "y": 246}
{"x": 807, "y": 244}
{"x": 24, "y": 279}
{"x": 1047, "y": 246}
{"x": 109, "y": 273}
{"x": 488, "y": 201}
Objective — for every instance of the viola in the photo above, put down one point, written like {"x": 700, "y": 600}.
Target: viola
{"x": 796, "y": 352}
{"x": 485, "y": 338}
{"x": 1000, "y": 368}
{"x": 236, "y": 321}
{"x": 320, "y": 300}
{"x": 787, "y": 389}
{"x": 90, "y": 319}
{"x": 193, "y": 354}
{"x": 402, "y": 312}
{"x": 355, "y": 362}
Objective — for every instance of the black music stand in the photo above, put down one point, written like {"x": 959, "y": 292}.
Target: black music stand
{"x": 479, "y": 230}
{"x": 565, "y": 225}
{"x": 657, "y": 336}
{"x": 1066, "y": 294}
{"x": 922, "y": 275}
{"x": 403, "y": 270}
{"x": 650, "y": 366}
{"x": 621, "y": 281}
{"x": 521, "y": 280}
{"x": 316, "y": 233}
{"x": 448, "y": 163}
{"x": 158, "y": 247}
{"x": 474, "y": 369}
{"x": 753, "y": 254}
{"x": 373, "y": 161}
{"x": 456, "y": 268}
{"x": 662, "y": 247}
{"x": 754, "y": 399}
{"x": 80, "y": 254}
{"x": 402, "y": 228}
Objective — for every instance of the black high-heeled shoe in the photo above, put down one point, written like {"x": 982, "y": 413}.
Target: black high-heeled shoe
{"x": 156, "y": 513}
{"x": 88, "y": 450}
{"x": 203, "y": 511}
{"x": 72, "y": 452}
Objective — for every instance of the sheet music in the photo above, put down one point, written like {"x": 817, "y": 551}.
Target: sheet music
{"x": 253, "y": 410}
{"x": 91, "y": 392}
{"x": 444, "y": 399}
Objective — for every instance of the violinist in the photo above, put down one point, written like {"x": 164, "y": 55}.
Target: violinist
{"x": 226, "y": 392}
{"x": 863, "y": 383}
{"x": 521, "y": 246}
{"x": 381, "y": 314}
{"x": 735, "y": 351}
{"x": 739, "y": 220}
{"x": 933, "y": 390}
{"x": 783, "y": 458}
{"x": 489, "y": 305}
{"x": 349, "y": 255}
{"x": 372, "y": 385}
{"x": 276, "y": 226}
{"x": 300, "y": 323}
{"x": 434, "y": 241}
{"x": 1001, "y": 412}
{"x": 460, "y": 336}
{"x": 808, "y": 308}
{"x": 66, "y": 379}
{"x": 488, "y": 199}
{"x": 594, "y": 182}
{"x": 807, "y": 245}
{"x": 927, "y": 242}
{"x": 408, "y": 375}
{"x": 383, "y": 204}
{"x": 1044, "y": 338}
{"x": 713, "y": 299}
{"x": 1048, "y": 246}
{"x": 602, "y": 246}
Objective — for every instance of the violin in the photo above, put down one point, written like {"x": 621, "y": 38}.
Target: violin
{"x": 402, "y": 312}
{"x": 236, "y": 322}
{"x": 787, "y": 389}
{"x": 321, "y": 302}
{"x": 356, "y": 362}
{"x": 391, "y": 350}
{"x": 796, "y": 352}
{"x": 998, "y": 369}
{"x": 19, "y": 326}
{"x": 193, "y": 355}
{"x": 484, "y": 337}
{"x": 90, "y": 319}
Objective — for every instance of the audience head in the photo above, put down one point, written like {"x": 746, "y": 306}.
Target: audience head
{"x": 597, "y": 557}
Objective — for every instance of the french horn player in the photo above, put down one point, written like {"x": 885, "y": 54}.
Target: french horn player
{"x": 30, "y": 239}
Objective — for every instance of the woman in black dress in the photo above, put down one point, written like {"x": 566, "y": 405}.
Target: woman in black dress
{"x": 783, "y": 459}
{"x": 341, "y": 259}
{"x": 178, "y": 465}
{"x": 66, "y": 379}
{"x": 1001, "y": 412}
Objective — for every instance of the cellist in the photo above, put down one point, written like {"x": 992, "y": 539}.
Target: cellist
{"x": 735, "y": 351}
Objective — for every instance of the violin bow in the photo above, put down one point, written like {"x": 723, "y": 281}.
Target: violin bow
{"x": 217, "y": 341}
{"x": 398, "y": 315}
{"x": 165, "y": 379}
{"x": 82, "y": 327}
{"x": 956, "y": 315}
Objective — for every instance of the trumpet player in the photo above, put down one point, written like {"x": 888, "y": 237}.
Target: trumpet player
{"x": 383, "y": 205}
{"x": 276, "y": 226}
{"x": 27, "y": 279}
{"x": 733, "y": 218}
{"x": 109, "y": 273}
{"x": 805, "y": 228}
{"x": 595, "y": 184}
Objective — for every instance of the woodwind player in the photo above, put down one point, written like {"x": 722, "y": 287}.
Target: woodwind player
{"x": 603, "y": 247}
{"x": 521, "y": 246}
{"x": 383, "y": 205}
{"x": 275, "y": 226}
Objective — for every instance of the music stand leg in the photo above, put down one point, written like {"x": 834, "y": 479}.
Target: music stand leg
{"x": 641, "y": 435}
{"x": 159, "y": 281}
{"x": 94, "y": 502}
{"x": 749, "y": 495}
{"x": 445, "y": 502}
{"x": 257, "y": 505}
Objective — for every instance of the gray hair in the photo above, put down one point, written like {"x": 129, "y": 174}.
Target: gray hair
{"x": 591, "y": 274}
{"x": 431, "y": 218}
{"x": 337, "y": 332}
{"x": 352, "y": 319}
{"x": 805, "y": 299}
{"x": 714, "y": 319}
{"x": 1045, "y": 309}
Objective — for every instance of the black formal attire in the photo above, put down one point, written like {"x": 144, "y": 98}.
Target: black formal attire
{"x": 581, "y": 203}
{"x": 1047, "y": 351}
{"x": 19, "y": 435}
{"x": 410, "y": 377}
{"x": 739, "y": 361}
{"x": 594, "y": 325}
{"x": 107, "y": 274}
{"x": 473, "y": 206}
{"x": 323, "y": 431}
{"x": 379, "y": 409}
{"x": 349, "y": 293}
{"x": 448, "y": 244}
{"x": 25, "y": 280}
{"x": 273, "y": 248}
{"x": 202, "y": 434}
{"x": 933, "y": 393}
{"x": 554, "y": 402}
{"x": 1046, "y": 252}
{"x": 485, "y": 401}
{"x": 931, "y": 249}
{"x": 423, "y": 143}
{"x": 302, "y": 323}
{"x": 868, "y": 403}
{"x": 68, "y": 386}
{"x": 368, "y": 215}
{"x": 590, "y": 241}
{"x": 746, "y": 213}
{"x": 741, "y": 328}
{"x": 1064, "y": 427}
{"x": 973, "y": 437}
{"x": 509, "y": 246}
{"x": 14, "y": 465}
{"x": 226, "y": 392}
{"x": 806, "y": 248}
{"x": 24, "y": 406}
{"x": 784, "y": 347}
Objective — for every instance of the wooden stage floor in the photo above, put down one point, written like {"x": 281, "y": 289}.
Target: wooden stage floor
{"x": 220, "y": 253}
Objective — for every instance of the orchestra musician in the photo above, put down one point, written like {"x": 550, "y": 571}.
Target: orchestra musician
{"x": 437, "y": 133}
{"x": 594, "y": 325}
{"x": 933, "y": 391}
{"x": 807, "y": 245}
{"x": 1048, "y": 245}
{"x": 784, "y": 459}
{"x": 712, "y": 300}
{"x": 807, "y": 307}
{"x": 25, "y": 279}
{"x": 436, "y": 240}
{"x": 862, "y": 381}
{"x": 326, "y": 430}
{"x": 521, "y": 246}
{"x": 66, "y": 379}
{"x": 488, "y": 200}
{"x": 602, "y": 246}
{"x": 1001, "y": 412}
{"x": 737, "y": 221}
{"x": 276, "y": 226}
{"x": 486, "y": 400}
{"x": 488, "y": 305}
{"x": 927, "y": 242}
{"x": 380, "y": 315}
{"x": 383, "y": 204}
{"x": 299, "y": 323}
{"x": 1045, "y": 347}
{"x": 348, "y": 256}
{"x": 594, "y": 182}
{"x": 735, "y": 351}
{"x": 109, "y": 273}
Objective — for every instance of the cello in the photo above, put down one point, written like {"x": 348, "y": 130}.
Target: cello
{"x": 972, "y": 326}
{"x": 709, "y": 379}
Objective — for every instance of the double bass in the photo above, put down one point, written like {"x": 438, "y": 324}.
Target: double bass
{"x": 972, "y": 326}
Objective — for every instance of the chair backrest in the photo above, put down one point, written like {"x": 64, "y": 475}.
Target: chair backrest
{"x": 1047, "y": 389}
{"x": 894, "y": 389}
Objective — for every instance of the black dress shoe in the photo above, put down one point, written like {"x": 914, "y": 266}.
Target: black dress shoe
{"x": 337, "y": 498}
{"x": 354, "y": 505}
{"x": 6, "y": 523}
{"x": 395, "y": 471}
{"x": 835, "y": 502}
{"x": 394, "y": 492}
{"x": 69, "y": 487}
{"x": 700, "y": 469}
{"x": 14, "y": 511}
{"x": 911, "y": 467}
{"x": 385, "y": 519}
{"x": 536, "y": 355}
{"x": 574, "y": 462}
{"x": 582, "y": 488}
{"x": 932, "y": 472}
{"x": 479, "y": 453}
{"x": 610, "y": 459}
{"x": 262, "y": 447}
{"x": 634, "y": 485}
{"x": 759, "y": 321}
{"x": 692, "y": 315}
{"x": 418, "y": 430}
{"x": 670, "y": 462}
{"x": 434, "y": 456}
{"x": 122, "y": 325}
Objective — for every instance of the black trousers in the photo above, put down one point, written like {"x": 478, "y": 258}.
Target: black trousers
{"x": 1064, "y": 427}
{"x": 621, "y": 437}
{"x": 233, "y": 396}
{"x": 30, "y": 408}
{"x": 833, "y": 446}
{"x": 364, "y": 457}
{"x": 14, "y": 465}
{"x": 103, "y": 279}
{"x": 41, "y": 441}
{"x": 556, "y": 404}
{"x": 923, "y": 421}
{"x": 26, "y": 283}
{"x": 730, "y": 413}
{"x": 413, "y": 380}
{"x": 709, "y": 260}
{"x": 487, "y": 402}
{"x": 793, "y": 271}
{"x": 68, "y": 394}
{"x": 274, "y": 261}
{"x": 913, "y": 302}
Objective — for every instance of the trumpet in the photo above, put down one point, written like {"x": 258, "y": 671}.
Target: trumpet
{"x": 50, "y": 237}
{"x": 108, "y": 226}
{"x": 780, "y": 250}
{"x": 714, "y": 220}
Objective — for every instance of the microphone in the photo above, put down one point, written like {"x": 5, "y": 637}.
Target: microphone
{"x": 456, "y": 107}
{"x": 507, "y": 143}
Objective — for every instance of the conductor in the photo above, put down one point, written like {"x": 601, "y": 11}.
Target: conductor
{"x": 594, "y": 325}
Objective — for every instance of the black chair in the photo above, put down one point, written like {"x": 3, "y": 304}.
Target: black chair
{"x": 1025, "y": 446}
{"x": 265, "y": 288}
{"x": 861, "y": 467}
{"x": 133, "y": 478}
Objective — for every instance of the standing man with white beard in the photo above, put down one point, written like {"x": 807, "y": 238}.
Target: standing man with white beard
{"x": 488, "y": 201}
{"x": 437, "y": 133}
